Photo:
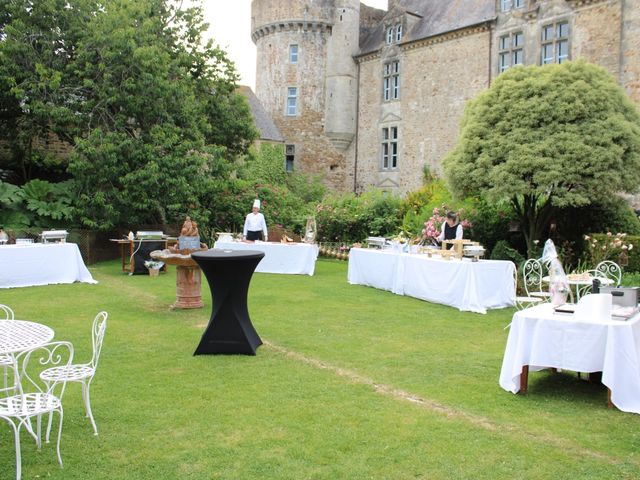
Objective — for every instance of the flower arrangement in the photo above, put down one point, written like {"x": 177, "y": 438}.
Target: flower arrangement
{"x": 432, "y": 226}
{"x": 607, "y": 248}
{"x": 153, "y": 264}
{"x": 401, "y": 237}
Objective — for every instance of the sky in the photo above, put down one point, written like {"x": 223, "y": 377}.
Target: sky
{"x": 230, "y": 27}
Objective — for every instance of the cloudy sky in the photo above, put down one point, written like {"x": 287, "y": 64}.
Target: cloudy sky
{"x": 230, "y": 27}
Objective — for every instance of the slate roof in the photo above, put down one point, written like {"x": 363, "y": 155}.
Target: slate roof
{"x": 435, "y": 17}
{"x": 264, "y": 123}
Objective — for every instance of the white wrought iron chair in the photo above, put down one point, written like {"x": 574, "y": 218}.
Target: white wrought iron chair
{"x": 533, "y": 273}
{"x": 81, "y": 372}
{"x": 35, "y": 398}
{"x": 582, "y": 290}
{"x": 6, "y": 361}
{"x": 527, "y": 301}
{"x": 610, "y": 270}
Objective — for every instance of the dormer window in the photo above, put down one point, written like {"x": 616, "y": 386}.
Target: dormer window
{"x": 506, "y": 5}
{"x": 394, "y": 34}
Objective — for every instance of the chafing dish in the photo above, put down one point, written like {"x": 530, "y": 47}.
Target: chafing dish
{"x": 376, "y": 242}
{"x": 473, "y": 251}
{"x": 54, "y": 236}
{"x": 623, "y": 296}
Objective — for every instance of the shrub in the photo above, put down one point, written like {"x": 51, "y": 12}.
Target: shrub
{"x": 504, "y": 251}
{"x": 491, "y": 224}
{"x": 231, "y": 202}
{"x": 350, "y": 218}
{"x": 418, "y": 206}
{"x": 593, "y": 255}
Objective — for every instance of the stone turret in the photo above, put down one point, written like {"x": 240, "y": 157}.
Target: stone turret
{"x": 342, "y": 75}
{"x": 306, "y": 79}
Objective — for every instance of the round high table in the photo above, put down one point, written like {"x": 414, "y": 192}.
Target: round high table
{"x": 230, "y": 330}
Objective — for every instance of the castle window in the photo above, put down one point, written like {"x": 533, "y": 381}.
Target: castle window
{"x": 289, "y": 157}
{"x": 391, "y": 81}
{"x": 394, "y": 33}
{"x": 506, "y": 5}
{"x": 511, "y": 50}
{"x": 555, "y": 43}
{"x": 293, "y": 53}
{"x": 389, "y": 148}
{"x": 292, "y": 101}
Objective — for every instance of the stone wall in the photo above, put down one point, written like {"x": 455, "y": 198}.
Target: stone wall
{"x": 592, "y": 42}
{"x": 630, "y": 49}
{"x": 314, "y": 153}
{"x": 270, "y": 12}
{"x": 437, "y": 78}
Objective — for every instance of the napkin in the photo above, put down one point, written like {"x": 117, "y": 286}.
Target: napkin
{"x": 595, "y": 307}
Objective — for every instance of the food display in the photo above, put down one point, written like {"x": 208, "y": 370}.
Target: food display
{"x": 458, "y": 246}
{"x": 473, "y": 251}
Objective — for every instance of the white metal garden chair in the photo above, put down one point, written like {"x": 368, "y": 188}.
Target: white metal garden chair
{"x": 582, "y": 290}
{"x": 35, "y": 398}
{"x": 611, "y": 270}
{"x": 533, "y": 273}
{"x": 526, "y": 301}
{"x": 6, "y": 361}
{"x": 82, "y": 372}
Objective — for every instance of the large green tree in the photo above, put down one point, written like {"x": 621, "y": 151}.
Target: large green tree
{"x": 150, "y": 109}
{"x": 38, "y": 44}
{"x": 547, "y": 137}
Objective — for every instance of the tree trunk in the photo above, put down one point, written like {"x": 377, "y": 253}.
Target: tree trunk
{"x": 534, "y": 215}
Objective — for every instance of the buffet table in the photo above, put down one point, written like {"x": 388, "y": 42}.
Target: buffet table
{"x": 288, "y": 258}
{"x": 42, "y": 264}
{"x": 466, "y": 285}
{"x": 540, "y": 338}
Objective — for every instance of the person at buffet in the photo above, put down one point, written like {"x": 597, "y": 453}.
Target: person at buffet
{"x": 451, "y": 228}
{"x": 255, "y": 227}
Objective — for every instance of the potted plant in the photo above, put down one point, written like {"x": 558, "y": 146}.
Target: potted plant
{"x": 154, "y": 267}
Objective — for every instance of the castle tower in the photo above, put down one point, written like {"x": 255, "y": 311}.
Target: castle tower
{"x": 342, "y": 74}
{"x": 306, "y": 79}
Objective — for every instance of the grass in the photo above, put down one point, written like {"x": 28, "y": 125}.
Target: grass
{"x": 352, "y": 383}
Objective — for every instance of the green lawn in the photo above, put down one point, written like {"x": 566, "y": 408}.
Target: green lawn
{"x": 352, "y": 383}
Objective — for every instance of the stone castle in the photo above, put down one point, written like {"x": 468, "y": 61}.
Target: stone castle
{"x": 369, "y": 98}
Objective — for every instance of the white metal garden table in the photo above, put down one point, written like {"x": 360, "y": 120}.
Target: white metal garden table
{"x": 20, "y": 335}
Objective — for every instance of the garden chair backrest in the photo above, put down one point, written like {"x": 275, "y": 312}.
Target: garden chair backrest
{"x": 532, "y": 274}
{"x": 6, "y": 313}
{"x": 610, "y": 270}
{"x": 97, "y": 336}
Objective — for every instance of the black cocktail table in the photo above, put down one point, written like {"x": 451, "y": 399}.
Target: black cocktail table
{"x": 229, "y": 274}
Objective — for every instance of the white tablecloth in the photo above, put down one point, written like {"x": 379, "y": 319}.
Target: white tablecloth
{"x": 290, "y": 258}
{"x": 466, "y": 285}
{"x": 42, "y": 264}
{"x": 541, "y": 339}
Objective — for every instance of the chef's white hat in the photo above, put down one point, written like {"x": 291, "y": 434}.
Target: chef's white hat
{"x": 256, "y": 204}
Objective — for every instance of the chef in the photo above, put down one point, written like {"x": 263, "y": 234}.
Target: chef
{"x": 255, "y": 228}
{"x": 451, "y": 228}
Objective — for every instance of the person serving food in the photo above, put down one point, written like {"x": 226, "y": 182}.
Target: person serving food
{"x": 451, "y": 228}
{"x": 255, "y": 226}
